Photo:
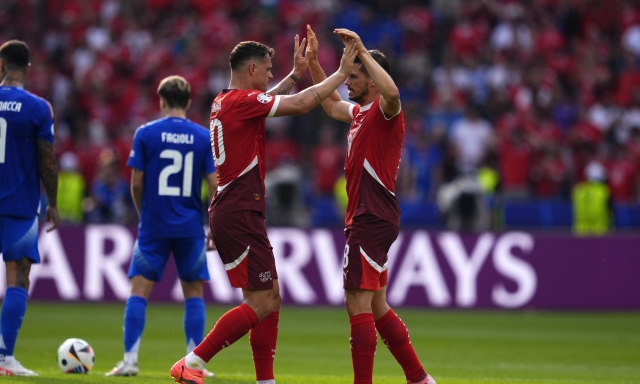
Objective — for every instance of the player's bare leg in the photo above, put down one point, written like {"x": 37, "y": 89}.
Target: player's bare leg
{"x": 13, "y": 310}
{"x": 363, "y": 334}
{"x": 395, "y": 336}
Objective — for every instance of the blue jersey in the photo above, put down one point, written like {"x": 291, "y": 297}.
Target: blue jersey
{"x": 24, "y": 118}
{"x": 174, "y": 155}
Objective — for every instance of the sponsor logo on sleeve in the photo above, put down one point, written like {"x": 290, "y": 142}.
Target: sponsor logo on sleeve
{"x": 264, "y": 98}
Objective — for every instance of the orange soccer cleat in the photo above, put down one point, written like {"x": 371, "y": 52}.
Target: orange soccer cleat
{"x": 185, "y": 375}
{"x": 426, "y": 379}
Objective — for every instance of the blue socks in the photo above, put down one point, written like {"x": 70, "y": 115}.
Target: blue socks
{"x": 194, "y": 321}
{"x": 13, "y": 310}
{"x": 134, "y": 318}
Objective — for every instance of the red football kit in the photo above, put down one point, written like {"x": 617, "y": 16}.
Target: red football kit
{"x": 236, "y": 218}
{"x": 236, "y": 214}
{"x": 373, "y": 215}
{"x": 372, "y": 225}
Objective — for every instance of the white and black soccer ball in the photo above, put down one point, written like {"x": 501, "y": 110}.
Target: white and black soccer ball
{"x": 75, "y": 356}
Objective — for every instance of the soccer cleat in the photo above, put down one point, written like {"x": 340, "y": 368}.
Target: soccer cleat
{"x": 9, "y": 366}
{"x": 124, "y": 369}
{"x": 207, "y": 373}
{"x": 185, "y": 375}
{"x": 426, "y": 379}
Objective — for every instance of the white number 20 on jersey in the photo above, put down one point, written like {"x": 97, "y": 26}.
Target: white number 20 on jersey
{"x": 216, "y": 133}
{"x": 187, "y": 176}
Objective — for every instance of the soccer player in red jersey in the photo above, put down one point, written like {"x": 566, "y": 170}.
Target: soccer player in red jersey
{"x": 236, "y": 214}
{"x": 373, "y": 215}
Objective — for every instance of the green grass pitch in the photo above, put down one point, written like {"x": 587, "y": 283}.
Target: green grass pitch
{"x": 455, "y": 346}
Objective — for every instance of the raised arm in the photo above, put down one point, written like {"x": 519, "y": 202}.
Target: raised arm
{"x": 309, "y": 98}
{"x": 333, "y": 105}
{"x": 300, "y": 64}
{"x": 390, "y": 96}
{"x": 48, "y": 167}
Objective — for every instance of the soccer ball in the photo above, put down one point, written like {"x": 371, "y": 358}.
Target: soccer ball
{"x": 75, "y": 356}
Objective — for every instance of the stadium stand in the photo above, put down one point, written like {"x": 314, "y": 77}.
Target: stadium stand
{"x": 533, "y": 90}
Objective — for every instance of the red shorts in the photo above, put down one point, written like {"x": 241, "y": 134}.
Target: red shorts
{"x": 245, "y": 250}
{"x": 365, "y": 255}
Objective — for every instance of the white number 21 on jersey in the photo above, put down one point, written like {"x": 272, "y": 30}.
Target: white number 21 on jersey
{"x": 163, "y": 183}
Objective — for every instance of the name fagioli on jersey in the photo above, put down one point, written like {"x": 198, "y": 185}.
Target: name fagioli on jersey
{"x": 177, "y": 138}
{"x": 11, "y": 106}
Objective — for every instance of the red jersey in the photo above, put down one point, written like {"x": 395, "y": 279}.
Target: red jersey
{"x": 237, "y": 132}
{"x": 373, "y": 158}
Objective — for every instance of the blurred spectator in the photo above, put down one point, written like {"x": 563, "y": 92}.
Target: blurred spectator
{"x": 71, "y": 189}
{"x": 592, "y": 206}
{"x": 279, "y": 147}
{"x": 512, "y": 33}
{"x": 423, "y": 155}
{"x": 471, "y": 139}
{"x": 327, "y": 160}
{"x": 109, "y": 199}
{"x": 623, "y": 175}
{"x": 462, "y": 205}
{"x": 550, "y": 174}
{"x": 443, "y": 112}
{"x": 283, "y": 179}
{"x": 516, "y": 157}
{"x": 604, "y": 113}
{"x": 629, "y": 120}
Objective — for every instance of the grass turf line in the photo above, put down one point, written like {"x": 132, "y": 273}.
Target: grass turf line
{"x": 476, "y": 347}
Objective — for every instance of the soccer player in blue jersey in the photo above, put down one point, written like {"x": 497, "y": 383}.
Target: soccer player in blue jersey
{"x": 26, "y": 158}
{"x": 169, "y": 158}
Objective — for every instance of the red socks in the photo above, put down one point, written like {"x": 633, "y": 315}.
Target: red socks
{"x": 263, "y": 339}
{"x": 363, "y": 347}
{"x": 235, "y": 324}
{"x": 229, "y": 328}
{"x": 396, "y": 337}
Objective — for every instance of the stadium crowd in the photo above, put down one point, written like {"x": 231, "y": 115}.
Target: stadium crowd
{"x": 518, "y": 95}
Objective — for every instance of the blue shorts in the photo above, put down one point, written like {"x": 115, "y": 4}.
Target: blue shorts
{"x": 151, "y": 255}
{"x": 19, "y": 238}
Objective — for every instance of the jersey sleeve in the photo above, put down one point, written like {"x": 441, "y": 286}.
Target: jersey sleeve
{"x": 45, "y": 122}
{"x": 351, "y": 108}
{"x": 385, "y": 115}
{"x": 258, "y": 104}
{"x": 137, "y": 154}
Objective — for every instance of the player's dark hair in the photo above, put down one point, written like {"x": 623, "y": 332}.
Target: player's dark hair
{"x": 248, "y": 50}
{"x": 176, "y": 91}
{"x": 15, "y": 55}
{"x": 379, "y": 57}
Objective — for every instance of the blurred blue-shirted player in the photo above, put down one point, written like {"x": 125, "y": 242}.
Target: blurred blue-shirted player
{"x": 26, "y": 158}
{"x": 169, "y": 158}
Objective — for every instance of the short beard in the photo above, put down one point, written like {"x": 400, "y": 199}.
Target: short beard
{"x": 360, "y": 97}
